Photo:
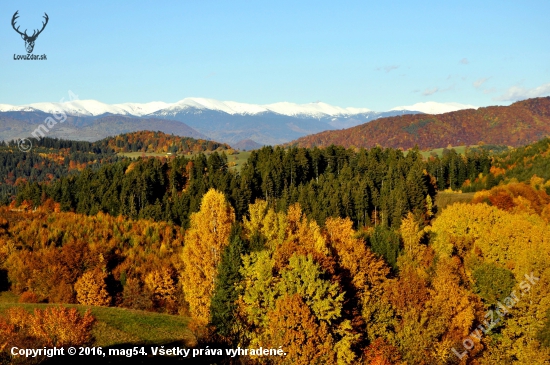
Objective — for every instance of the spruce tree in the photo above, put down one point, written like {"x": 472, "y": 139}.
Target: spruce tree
{"x": 223, "y": 308}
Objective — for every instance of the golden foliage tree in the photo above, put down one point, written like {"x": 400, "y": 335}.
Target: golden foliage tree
{"x": 411, "y": 235}
{"x": 265, "y": 222}
{"x": 55, "y": 326}
{"x": 162, "y": 287}
{"x": 292, "y": 326}
{"x": 303, "y": 237}
{"x": 91, "y": 289}
{"x": 204, "y": 243}
{"x": 365, "y": 269}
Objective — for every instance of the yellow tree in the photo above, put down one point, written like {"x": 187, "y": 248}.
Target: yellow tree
{"x": 45, "y": 328}
{"x": 451, "y": 310}
{"x": 362, "y": 275}
{"x": 266, "y": 222}
{"x": 292, "y": 326}
{"x": 257, "y": 212}
{"x": 514, "y": 240}
{"x": 303, "y": 237}
{"x": 91, "y": 289}
{"x": 163, "y": 289}
{"x": 365, "y": 269}
{"x": 411, "y": 235}
{"x": 204, "y": 243}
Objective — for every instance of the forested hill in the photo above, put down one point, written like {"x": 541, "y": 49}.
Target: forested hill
{"x": 50, "y": 158}
{"x": 519, "y": 124}
{"x": 159, "y": 142}
{"x": 525, "y": 162}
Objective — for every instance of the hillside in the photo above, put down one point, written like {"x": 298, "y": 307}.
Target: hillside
{"x": 515, "y": 125}
{"x": 119, "y": 326}
{"x": 158, "y": 142}
{"x": 247, "y": 145}
{"x": 50, "y": 158}
{"x": 525, "y": 162}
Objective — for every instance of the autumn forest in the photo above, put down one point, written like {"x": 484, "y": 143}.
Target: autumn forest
{"x": 336, "y": 255}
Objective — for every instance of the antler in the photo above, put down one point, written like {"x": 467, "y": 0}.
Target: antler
{"x": 15, "y": 16}
{"x": 34, "y": 34}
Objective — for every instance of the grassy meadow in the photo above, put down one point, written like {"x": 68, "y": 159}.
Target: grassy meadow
{"x": 120, "y": 326}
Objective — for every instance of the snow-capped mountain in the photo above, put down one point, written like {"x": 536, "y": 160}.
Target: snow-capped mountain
{"x": 228, "y": 121}
{"x": 431, "y": 107}
{"x": 88, "y": 108}
{"x": 315, "y": 110}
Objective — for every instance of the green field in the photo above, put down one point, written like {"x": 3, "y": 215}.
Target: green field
{"x": 142, "y": 154}
{"x": 462, "y": 149}
{"x": 444, "y": 199}
{"x": 239, "y": 158}
{"x": 120, "y": 326}
{"x": 439, "y": 151}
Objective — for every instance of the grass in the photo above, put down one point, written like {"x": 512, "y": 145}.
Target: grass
{"x": 116, "y": 326}
{"x": 139, "y": 154}
{"x": 444, "y": 199}
{"x": 492, "y": 149}
{"x": 238, "y": 158}
{"x": 439, "y": 151}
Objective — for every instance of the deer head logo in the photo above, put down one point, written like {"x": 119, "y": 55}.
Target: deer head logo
{"x": 29, "y": 40}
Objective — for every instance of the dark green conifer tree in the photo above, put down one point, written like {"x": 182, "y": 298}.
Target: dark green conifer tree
{"x": 223, "y": 307}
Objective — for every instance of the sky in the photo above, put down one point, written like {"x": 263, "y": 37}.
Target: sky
{"x": 372, "y": 54}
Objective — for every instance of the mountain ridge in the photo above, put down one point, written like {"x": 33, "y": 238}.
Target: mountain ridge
{"x": 315, "y": 109}
{"x": 227, "y": 122}
{"x": 521, "y": 123}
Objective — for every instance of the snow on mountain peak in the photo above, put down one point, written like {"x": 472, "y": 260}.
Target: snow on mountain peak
{"x": 315, "y": 110}
{"x": 229, "y": 107}
{"x": 89, "y": 108}
{"x": 432, "y": 107}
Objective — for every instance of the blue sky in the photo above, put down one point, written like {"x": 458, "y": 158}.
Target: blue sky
{"x": 347, "y": 53}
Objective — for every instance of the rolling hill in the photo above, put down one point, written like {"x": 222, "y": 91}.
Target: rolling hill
{"x": 518, "y": 124}
{"x": 247, "y": 145}
{"x": 158, "y": 142}
{"x": 51, "y": 158}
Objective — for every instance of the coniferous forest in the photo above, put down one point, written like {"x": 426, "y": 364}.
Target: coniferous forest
{"x": 334, "y": 255}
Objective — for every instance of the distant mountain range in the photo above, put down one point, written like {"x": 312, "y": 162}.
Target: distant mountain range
{"x": 24, "y": 124}
{"x": 228, "y": 121}
{"x": 518, "y": 124}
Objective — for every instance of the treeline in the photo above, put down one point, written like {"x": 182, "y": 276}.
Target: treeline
{"x": 48, "y": 160}
{"x": 52, "y": 158}
{"x": 462, "y": 172}
{"x": 68, "y": 146}
{"x": 371, "y": 187}
{"x": 518, "y": 124}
